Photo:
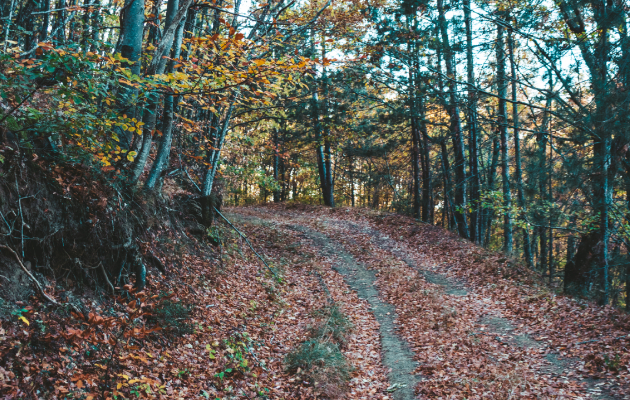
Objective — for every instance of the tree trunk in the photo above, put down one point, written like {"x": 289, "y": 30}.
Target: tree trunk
{"x": 131, "y": 29}
{"x": 276, "y": 166}
{"x": 492, "y": 173}
{"x": 590, "y": 264}
{"x": 96, "y": 24}
{"x": 59, "y": 33}
{"x": 551, "y": 213}
{"x": 428, "y": 206}
{"x": 448, "y": 187}
{"x": 161, "y": 159}
{"x": 503, "y": 131}
{"x": 527, "y": 248}
{"x": 215, "y": 155}
{"x": 43, "y": 32}
{"x": 322, "y": 161}
{"x": 351, "y": 177}
{"x": 174, "y": 15}
{"x": 283, "y": 170}
{"x": 475, "y": 218}
{"x": 415, "y": 164}
{"x": 460, "y": 205}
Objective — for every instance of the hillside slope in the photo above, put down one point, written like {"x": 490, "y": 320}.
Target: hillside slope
{"x": 351, "y": 304}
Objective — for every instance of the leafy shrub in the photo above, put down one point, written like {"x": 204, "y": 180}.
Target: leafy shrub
{"x": 173, "y": 316}
{"x": 320, "y": 358}
{"x": 323, "y": 363}
{"x": 333, "y": 323}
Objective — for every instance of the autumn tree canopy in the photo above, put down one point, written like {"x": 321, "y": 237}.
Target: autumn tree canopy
{"x": 505, "y": 121}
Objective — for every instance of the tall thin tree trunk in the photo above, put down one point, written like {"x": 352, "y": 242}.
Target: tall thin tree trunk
{"x": 328, "y": 156}
{"x": 96, "y": 24}
{"x": 448, "y": 187}
{"x": 59, "y": 37}
{"x": 492, "y": 173}
{"x": 43, "y": 32}
{"x": 527, "y": 248}
{"x": 283, "y": 167}
{"x": 276, "y": 166}
{"x": 351, "y": 177}
{"x": 428, "y": 204}
{"x": 503, "y": 131}
{"x": 551, "y": 213}
{"x": 208, "y": 181}
{"x": 132, "y": 20}
{"x": 415, "y": 162}
{"x": 543, "y": 171}
{"x": 475, "y": 218}
{"x": 161, "y": 159}
{"x": 455, "y": 128}
{"x": 323, "y": 147}
{"x": 174, "y": 15}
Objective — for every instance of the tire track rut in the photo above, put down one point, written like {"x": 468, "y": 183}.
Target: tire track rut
{"x": 500, "y": 326}
{"x": 396, "y": 354}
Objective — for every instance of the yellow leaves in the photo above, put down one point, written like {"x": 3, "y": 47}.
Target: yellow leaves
{"x": 21, "y": 318}
{"x": 210, "y": 352}
{"x": 259, "y": 62}
{"x": 131, "y": 155}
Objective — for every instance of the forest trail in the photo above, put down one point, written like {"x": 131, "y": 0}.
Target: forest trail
{"x": 442, "y": 334}
{"x": 396, "y": 355}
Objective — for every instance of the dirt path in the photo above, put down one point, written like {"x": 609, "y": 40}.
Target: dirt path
{"x": 397, "y": 356}
{"x": 443, "y": 336}
{"x": 493, "y": 323}
{"x": 321, "y": 263}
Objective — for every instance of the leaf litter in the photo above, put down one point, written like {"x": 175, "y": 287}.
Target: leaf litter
{"x": 489, "y": 328}
{"x": 502, "y": 334}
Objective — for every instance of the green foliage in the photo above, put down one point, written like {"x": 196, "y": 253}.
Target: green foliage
{"x": 614, "y": 363}
{"x": 320, "y": 358}
{"x": 172, "y": 316}
{"x": 333, "y": 323}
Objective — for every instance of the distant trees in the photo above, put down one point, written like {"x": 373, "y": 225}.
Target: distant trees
{"x": 451, "y": 95}
{"x": 413, "y": 106}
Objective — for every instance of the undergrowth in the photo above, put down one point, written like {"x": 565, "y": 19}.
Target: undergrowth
{"x": 172, "y": 316}
{"x": 319, "y": 358}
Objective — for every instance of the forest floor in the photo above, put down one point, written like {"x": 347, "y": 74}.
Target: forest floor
{"x": 356, "y": 304}
{"x": 455, "y": 321}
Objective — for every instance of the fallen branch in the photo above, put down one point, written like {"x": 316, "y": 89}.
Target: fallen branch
{"x": 35, "y": 281}
{"x": 247, "y": 240}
